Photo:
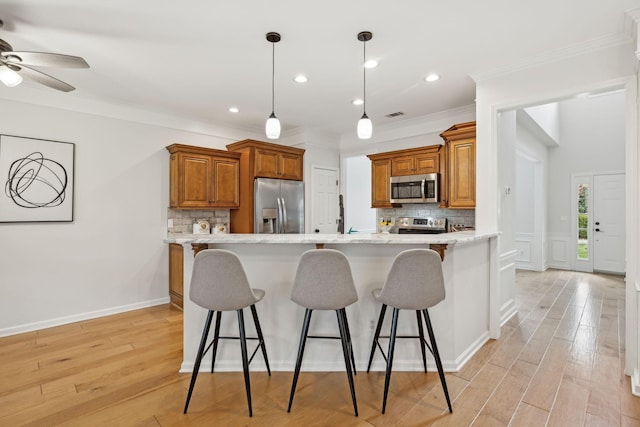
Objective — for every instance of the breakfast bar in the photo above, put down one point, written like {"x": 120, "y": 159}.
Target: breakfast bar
{"x": 464, "y": 321}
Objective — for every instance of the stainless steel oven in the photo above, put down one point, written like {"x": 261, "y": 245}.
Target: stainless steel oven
{"x": 414, "y": 188}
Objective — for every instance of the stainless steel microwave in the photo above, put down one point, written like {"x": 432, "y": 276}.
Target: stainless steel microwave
{"x": 414, "y": 188}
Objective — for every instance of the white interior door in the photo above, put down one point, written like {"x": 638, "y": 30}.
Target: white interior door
{"x": 325, "y": 200}
{"x": 609, "y": 223}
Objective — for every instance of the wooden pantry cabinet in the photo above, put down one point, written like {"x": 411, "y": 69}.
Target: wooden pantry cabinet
{"x": 458, "y": 182}
{"x": 203, "y": 178}
{"x": 268, "y": 160}
{"x": 412, "y": 161}
{"x": 261, "y": 160}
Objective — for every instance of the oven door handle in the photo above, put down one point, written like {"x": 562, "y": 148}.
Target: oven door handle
{"x": 423, "y": 184}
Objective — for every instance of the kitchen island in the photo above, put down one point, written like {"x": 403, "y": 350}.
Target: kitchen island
{"x": 463, "y": 322}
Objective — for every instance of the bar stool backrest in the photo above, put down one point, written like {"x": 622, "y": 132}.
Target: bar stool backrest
{"x": 219, "y": 282}
{"x": 324, "y": 281}
{"x": 415, "y": 280}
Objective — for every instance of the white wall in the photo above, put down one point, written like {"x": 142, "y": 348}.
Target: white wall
{"x": 359, "y": 214}
{"x": 111, "y": 257}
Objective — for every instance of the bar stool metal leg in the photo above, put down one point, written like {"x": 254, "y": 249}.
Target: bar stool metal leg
{"x": 256, "y": 322}
{"x": 392, "y": 342}
{"x": 436, "y": 355}
{"x": 343, "y": 312}
{"x": 345, "y": 349}
{"x": 422, "y": 341}
{"x": 216, "y": 337}
{"x": 201, "y": 351}
{"x": 245, "y": 359}
{"x": 303, "y": 341}
{"x": 376, "y": 336}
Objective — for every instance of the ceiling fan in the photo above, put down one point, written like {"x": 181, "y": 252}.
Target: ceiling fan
{"x": 15, "y": 65}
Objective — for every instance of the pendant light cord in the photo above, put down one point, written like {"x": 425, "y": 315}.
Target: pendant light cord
{"x": 364, "y": 75}
{"x": 273, "y": 74}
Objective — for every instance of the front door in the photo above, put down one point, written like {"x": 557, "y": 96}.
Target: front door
{"x": 609, "y": 223}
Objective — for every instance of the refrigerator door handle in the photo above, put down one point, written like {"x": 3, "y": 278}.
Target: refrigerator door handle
{"x": 284, "y": 216}
{"x": 279, "y": 216}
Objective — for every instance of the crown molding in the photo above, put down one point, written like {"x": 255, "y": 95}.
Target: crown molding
{"x": 558, "y": 54}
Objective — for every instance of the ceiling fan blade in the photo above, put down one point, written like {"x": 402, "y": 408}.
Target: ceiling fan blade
{"x": 43, "y": 59}
{"x": 44, "y": 79}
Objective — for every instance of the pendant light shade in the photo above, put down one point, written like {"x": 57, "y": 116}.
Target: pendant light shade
{"x": 365, "y": 127}
{"x": 272, "y": 127}
{"x": 9, "y": 77}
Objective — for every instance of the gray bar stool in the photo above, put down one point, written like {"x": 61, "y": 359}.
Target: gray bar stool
{"x": 219, "y": 283}
{"x": 323, "y": 281}
{"x": 414, "y": 282}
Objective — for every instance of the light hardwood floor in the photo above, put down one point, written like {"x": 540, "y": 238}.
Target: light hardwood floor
{"x": 558, "y": 362}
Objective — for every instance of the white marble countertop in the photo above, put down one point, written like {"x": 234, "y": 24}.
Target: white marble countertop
{"x": 459, "y": 237}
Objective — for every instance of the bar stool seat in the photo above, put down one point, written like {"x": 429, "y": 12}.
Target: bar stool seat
{"x": 218, "y": 284}
{"x": 324, "y": 281}
{"x": 415, "y": 282}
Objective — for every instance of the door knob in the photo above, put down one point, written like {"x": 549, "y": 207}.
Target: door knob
{"x": 317, "y": 230}
{"x": 597, "y": 229}
{"x": 597, "y": 222}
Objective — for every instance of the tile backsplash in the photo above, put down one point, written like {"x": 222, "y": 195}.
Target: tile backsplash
{"x": 464, "y": 217}
{"x": 183, "y": 219}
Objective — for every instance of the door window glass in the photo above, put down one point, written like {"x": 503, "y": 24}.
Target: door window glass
{"x": 583, "y": 221}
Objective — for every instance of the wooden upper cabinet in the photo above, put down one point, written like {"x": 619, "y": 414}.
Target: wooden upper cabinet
{"x": 380, "y": 186}
{"x": 420, "y": 162}
{"x": 411, "y": 161}
{"x": 272, "y": 160}
{"x": 203, "y": 178}
{"x": 458, "y": 184}
{"x": 261, "y": 160}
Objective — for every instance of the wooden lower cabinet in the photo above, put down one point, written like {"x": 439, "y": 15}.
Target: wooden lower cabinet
{"x": 176, "y": 274}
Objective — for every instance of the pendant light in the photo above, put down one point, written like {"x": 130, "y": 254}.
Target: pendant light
{"x": 365, "y": 128}
{"x": 272, "y": 128}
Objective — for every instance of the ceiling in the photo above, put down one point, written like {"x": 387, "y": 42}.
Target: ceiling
{"x": 194, "y": 59}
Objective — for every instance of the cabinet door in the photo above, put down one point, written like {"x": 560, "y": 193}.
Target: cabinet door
{"x": 194, "y": 177}
{"x": 403, "y": 165}
{"x": 266, "y": 164}
{"x": 427, "y": 163}
{"x": 290, "y": 166}
{"x": 226, "y": 173}
{"x": 176, "y": 274}
{"x": 380, "y": 187}
{"x": 462, "y": 174}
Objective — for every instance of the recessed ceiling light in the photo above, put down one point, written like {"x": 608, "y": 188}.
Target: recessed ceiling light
{"x": 357, "y": 101}
{"x": 372, "y": 63}
{"x": 233, "y": 109}
{"x": 432, "y": 78}
{"x": 300, "y": 78}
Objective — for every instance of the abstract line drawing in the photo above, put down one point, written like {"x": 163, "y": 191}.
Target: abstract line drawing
{"x": 38, "y": 180}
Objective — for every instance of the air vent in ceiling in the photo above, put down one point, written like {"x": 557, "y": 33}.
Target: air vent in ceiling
{"x": 396, "y": 114}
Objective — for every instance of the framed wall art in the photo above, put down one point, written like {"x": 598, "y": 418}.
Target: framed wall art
{"x": 37, "y": 177}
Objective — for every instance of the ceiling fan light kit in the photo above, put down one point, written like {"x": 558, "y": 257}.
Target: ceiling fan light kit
{"x": 9, "y": 77}
{"x": 272, "y": 127}
{"x": 365, "y": 127}
{"x": 13, "y": 65}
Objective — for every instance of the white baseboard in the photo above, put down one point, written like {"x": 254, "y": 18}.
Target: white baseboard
{"x": 635, "y": 383}
{"x": 377, "y": 365}
{"x": 507, "y": 311}
{"x": 35, "y": 326}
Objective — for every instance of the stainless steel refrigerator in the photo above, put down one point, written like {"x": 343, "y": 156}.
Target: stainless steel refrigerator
{"x": 279, "y": 206}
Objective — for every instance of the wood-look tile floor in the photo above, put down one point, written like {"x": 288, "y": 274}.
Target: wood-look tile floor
{"x": 559, "y": 361}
